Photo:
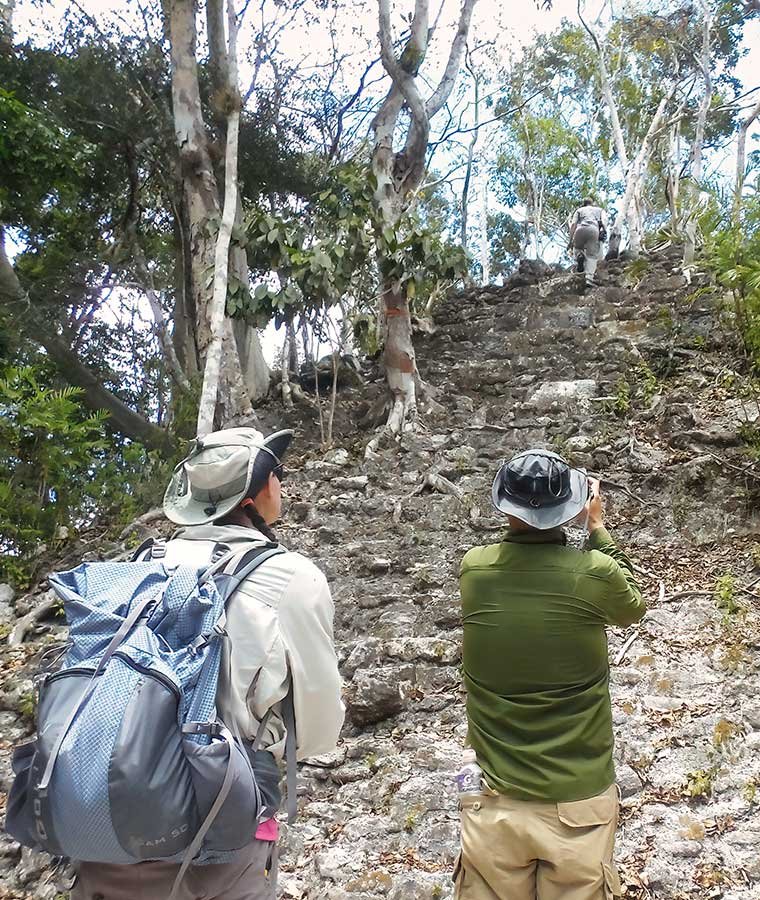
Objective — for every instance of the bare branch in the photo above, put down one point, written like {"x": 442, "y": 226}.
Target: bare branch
{"x": 347, "y": 106}
{"x": 442, "y": 92}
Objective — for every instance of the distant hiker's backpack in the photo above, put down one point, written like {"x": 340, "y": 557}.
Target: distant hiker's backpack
{"x": 602, "y": 232}
{"x": 130, "y": 761}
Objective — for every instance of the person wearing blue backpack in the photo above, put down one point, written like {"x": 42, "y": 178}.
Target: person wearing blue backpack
{"x": 213, "y": 663}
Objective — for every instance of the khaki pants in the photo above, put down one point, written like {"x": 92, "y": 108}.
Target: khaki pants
{"x": 524, "y": 850}
{"x": 252, "y": 875}
{"x": 586, "y": 240}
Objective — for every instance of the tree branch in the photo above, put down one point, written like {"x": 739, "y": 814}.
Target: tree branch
{"x": 402, "y": 71}
{"x": 442, "y": 92}
{"x": 96, "y": 396}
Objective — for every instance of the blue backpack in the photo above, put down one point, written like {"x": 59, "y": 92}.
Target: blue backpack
{"x": 131, "y": 762}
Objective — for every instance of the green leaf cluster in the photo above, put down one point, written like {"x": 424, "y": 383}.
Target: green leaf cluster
{"x": 332, "y": 249}
{"x": 732, "y": 253}
{"x": 38, "y": 160}
{"x": 46, "y": 442}
{"x": 61, "y": 468}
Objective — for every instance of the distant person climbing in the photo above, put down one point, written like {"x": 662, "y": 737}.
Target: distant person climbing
{"x": 279, "y": 681}
{"x": 536, "y": 673}
{"x": 588, "y": 231}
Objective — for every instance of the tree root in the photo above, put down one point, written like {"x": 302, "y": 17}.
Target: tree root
{"x": 25, "y": 624}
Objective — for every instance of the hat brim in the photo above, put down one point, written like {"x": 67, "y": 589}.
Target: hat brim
{"x": 544, "y": 517}
{"x": 184, "y": 509}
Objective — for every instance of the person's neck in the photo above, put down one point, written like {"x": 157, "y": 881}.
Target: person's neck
{"x": 236, "y": 517}
{"x": 519, "y": 527}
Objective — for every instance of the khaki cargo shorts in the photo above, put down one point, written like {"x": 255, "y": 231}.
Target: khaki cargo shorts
{"x": 524, "y": 850}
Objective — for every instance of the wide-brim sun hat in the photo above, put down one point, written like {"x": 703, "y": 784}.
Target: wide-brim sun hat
{"x": 220, "y": 470}
{"x": 539, "y": 488}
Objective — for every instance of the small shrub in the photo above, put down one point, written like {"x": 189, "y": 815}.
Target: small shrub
{"x": 411, "y": 819}
{"x": 27, "y": 705}
{"x": 636, "y": 270}
{"x": 699, "y": 783}
{"x": 623, "y": 397}
{"x": 723, "y": 732}
{"x": 648, "y": 382}
{"x": 724, "y": 594}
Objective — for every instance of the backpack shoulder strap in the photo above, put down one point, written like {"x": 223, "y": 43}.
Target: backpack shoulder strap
{"x": 230, "y": 571}
{"x": 152, "y": 548}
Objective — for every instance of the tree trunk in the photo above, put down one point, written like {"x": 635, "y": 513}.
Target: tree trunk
{"x": 400, "y": 363}
{"x": 399, "y": 174}
{"x": 96, "y": 396}
{"x": 287, "y": 394}
{"x": 253, "y": 366}
{"x": 627, "y": 212}
{"x": 673, "y": 177}
{"x": 6, "y": 21}
{"x": 201, "y": 199}
{"x": 183, "y": 316}
{"x": 221, "y": 330}
{"x": 609, "y": 99}
{"x": 470, "y": 156}
{"x": 699, "y": 139}
{"x": 485, "y": 246}
{"x": 741, "y": 159}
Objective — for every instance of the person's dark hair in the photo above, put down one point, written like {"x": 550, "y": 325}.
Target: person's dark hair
{"x": 258, "y": 522}
{"x": 588, "y": 201}
{"x": 251, "y": 513}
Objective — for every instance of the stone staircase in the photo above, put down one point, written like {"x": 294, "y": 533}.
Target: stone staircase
{"x": 629, "y": 380}
{"x": 637, "y": 380}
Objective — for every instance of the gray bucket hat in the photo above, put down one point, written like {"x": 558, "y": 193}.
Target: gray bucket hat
{"x": 220, "y": 470}
{"x": 539, "y": 488}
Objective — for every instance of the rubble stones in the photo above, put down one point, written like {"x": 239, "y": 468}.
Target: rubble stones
{"x": 375, "y": 695}
{"x": 7, "y": 613}
{"x": 562, "y": 394}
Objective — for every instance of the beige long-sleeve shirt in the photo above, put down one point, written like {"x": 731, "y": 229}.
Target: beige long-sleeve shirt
{"x": 280, "y": 625}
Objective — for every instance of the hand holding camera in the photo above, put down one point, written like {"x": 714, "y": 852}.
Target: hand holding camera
{"x": 593, "y": 507}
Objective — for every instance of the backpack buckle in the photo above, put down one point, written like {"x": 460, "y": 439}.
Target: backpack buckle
{"x": 203, "y": 640}
{"x": 212, "y": 729}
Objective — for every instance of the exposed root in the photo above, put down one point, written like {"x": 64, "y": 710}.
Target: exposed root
{"x": 26, "y": 623}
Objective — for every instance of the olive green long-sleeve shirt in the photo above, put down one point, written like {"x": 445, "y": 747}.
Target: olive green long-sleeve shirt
{"x": 536, "y": 664}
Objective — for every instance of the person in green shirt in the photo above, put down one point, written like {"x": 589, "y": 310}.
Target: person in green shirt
{"x": 536, "y": 672}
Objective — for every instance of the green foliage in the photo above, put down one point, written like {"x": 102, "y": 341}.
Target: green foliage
{"x": 699, "y": 784}
{"x": 724, "y": 593}
{"x": 732, "y": 254}
{"x": 332, "y": 251}
{"x": 320, "y": 253}
{"x": 38, "y": 159}
{"x": 648, "y": 383}
{"x": 60, "y": 469}
{"x": 505, "y": 234}
{"x": 46, "y": 443}
{"x": 623, "y": 397}
{"x": 416, "y": 260}
{"x": 27, "y": 705}
{"x": 636, "y": 270}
